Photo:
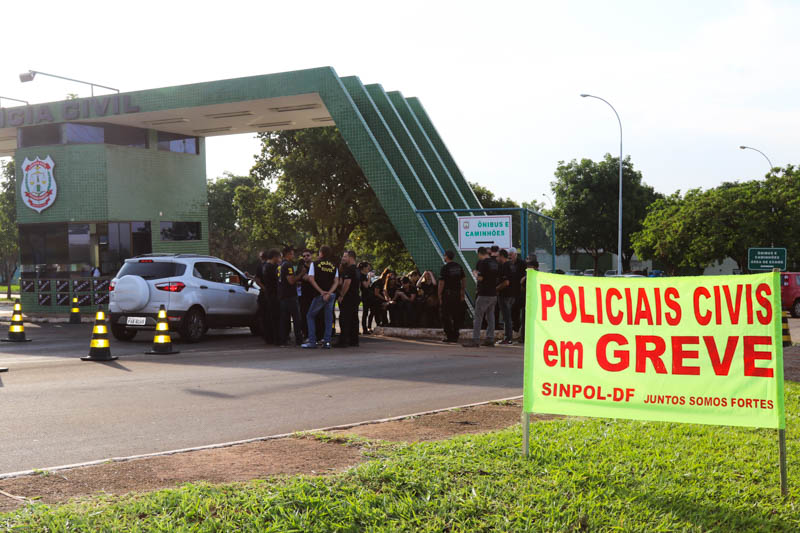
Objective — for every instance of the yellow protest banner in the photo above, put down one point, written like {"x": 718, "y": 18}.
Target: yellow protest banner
{"x": 703, "y": 349}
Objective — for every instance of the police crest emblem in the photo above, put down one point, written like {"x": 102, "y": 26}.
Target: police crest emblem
{"x": 38, "y": 183}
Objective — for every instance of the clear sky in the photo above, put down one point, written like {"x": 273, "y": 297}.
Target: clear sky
{"x": 691, "y": 80}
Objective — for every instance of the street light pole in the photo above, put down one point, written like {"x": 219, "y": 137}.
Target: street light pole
{"x": 619, "y": 218}
{"x": 760, "y": 152}
{"x": 28, "y": 76}
{"x": 14, "y": 99}
{"x": 772, "y": 208}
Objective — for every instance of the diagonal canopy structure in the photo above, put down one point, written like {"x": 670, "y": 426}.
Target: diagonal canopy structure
{"x": 391, "y": 137}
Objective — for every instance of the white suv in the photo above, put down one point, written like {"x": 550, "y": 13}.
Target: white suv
{"x": 198, "y": 291}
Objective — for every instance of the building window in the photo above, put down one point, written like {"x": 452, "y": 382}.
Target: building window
{"x": 180, "y": 231}
{"x": 43, "y": 244}
{"x": 175, "y": 142}
{"x": 141, "y": 240}
{"x": 83, "y": 133}
{"x": 70, "y": 248}
{"x": 78, "y": 242}
{"x": 121, "y": 240}
{"x": 44, "y": 135}
{"x": 126, "y": 136}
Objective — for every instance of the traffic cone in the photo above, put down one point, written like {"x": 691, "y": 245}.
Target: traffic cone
{"x": 99, "y": 349}
{"x": 75, "y": 314}
{"x": 16, "y": 332}
{"x": 787, "y": 335}
{"x": 162, "y": 343}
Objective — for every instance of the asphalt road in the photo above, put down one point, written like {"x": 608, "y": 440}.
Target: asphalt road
{"x": 56, "y": 409}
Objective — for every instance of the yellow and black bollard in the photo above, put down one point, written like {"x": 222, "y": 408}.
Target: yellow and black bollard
{"x": 787, "y": 335}
{"x": 75, "y": 313}
{"x": 99, "y": 348}
{"x": 16, "y": 332}
{"x": 162, "y": 342}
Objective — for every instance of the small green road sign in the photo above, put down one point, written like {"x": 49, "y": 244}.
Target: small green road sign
{"x": 766, "y": 258}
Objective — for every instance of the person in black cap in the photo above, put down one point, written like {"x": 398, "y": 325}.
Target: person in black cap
{"x": 451, "y": 296}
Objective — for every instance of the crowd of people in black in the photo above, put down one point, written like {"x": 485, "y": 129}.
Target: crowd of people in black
{"x": 300, "y": 297}
{"x": 501, "y": 279}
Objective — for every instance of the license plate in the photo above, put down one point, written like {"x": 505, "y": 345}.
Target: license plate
{"x": 136, "y": 321}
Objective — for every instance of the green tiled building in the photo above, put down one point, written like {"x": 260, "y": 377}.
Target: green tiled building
{"x": 104, "y": 178}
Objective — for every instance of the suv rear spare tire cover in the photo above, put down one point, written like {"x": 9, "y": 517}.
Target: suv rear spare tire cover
{"x": 131, "y": 293}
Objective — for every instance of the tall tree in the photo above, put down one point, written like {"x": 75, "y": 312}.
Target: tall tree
{"x": 737, "y": 217}
{"x": 781, "y": 191}
{"x": 226, "y": 239}
{"x": 693, "y": 231}
{"x": 587, "y": 202}
{"x": 313, "y": 184}
{"x": 9, "y": 240}
{"x": 668, "y": 232}
{"x": 266, "y": 217}
{"x": 488, "y": 199}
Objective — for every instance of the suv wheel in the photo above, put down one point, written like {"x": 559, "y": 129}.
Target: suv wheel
{"x": 796, "y": 309}
{"x": 193, "y": 326}
{"x": 121, "y": 333}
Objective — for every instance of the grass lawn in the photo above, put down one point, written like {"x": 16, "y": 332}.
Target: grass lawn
{"x": 4, "y": 289}
{"x": 583, "y": 475}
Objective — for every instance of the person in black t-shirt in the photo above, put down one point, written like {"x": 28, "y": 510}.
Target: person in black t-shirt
{"x": 515, "y": 286}
{"x": 323, "y": 276}
{"x": 380, "y": 301}
{"x": 367, "y": 298}
{"x": 348, "y": 301}
{"x": 486, "y": 271}
{"x": 404, "y": 299}
{"x": 506, "y": 294}
{"x": 287, "y": 294}
{"x": 390, "y": 288}
{"x": 267, "y": 280}
{"x": 533, "y": 263}
{"x": 262, "y": 293}
{"x": 451, "y": 296}
{"x": 307, "y": 292}
{"x": 428, "y": 300}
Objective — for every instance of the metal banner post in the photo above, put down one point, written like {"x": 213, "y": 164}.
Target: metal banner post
{"x": 782, "y": 445}
{"x": 526, "y": 433}
{"x": 784, "y": 474}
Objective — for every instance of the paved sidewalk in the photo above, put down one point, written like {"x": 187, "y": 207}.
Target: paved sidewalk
{"x": 7, "y": 308}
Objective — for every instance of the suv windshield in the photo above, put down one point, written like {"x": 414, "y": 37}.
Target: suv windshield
{"x": 152, "y": 270}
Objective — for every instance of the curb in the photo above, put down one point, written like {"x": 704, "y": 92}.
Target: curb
{"x": 245, "y": 441}
{"x": 38, "y": 319}
{"x": 464, "y": 335}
